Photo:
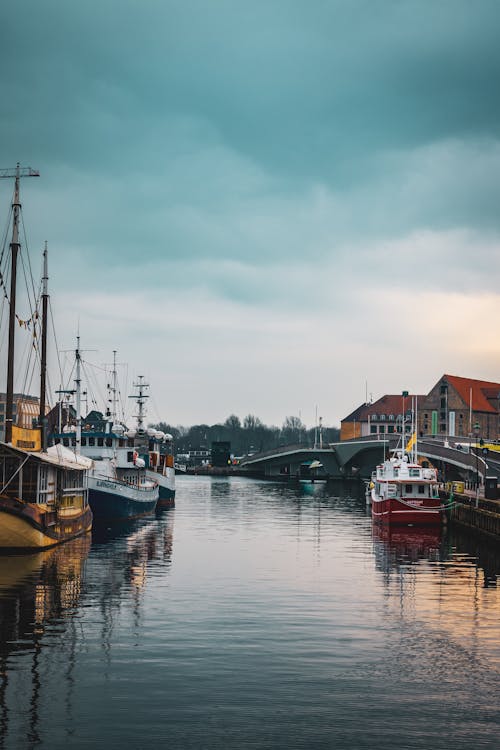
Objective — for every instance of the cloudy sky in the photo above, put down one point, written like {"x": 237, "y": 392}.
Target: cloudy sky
{"x": 265, "y": 206}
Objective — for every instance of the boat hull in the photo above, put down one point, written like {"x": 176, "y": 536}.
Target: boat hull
{"x": 114, "y": 501}
{"x": 166, "y": 487}
{"x": 23, "y": 526}
{"x": 395, "y": 512}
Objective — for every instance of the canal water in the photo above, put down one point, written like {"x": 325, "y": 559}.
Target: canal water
{"x": 253, "y": 615}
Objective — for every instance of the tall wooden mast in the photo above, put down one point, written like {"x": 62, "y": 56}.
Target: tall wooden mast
{"x": 43, "y": 361}
{"x": 14, "y": 250}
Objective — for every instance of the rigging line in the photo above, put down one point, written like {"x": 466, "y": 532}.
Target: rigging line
{"x": 27, "y": 253}
{"x": 31, "y": 301}
{"x": 14, "y": 474}
{"x": 6, "y": 232}
{"x": 55, "y": 337}
{"x": 90, "y": 385}
{"x": 28, "y": 354}
{"x": 155, "y": 407}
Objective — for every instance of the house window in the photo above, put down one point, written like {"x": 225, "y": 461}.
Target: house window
{"x": 373, "y": 429}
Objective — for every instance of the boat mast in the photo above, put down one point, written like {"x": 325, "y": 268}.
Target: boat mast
{"x": 43, "y": 362}
{"x": 78, "y": 399}
{"x": 140, "y": 401}
{"x": 14, "y": 250}
{"x": 114, "y": 389}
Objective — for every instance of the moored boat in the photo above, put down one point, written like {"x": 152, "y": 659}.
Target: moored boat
{"x": 161, "y": 466}
{"x": 119, "y": 488}
{"x": 404, "y": 492}
{"x": 155, "y": 448}
{"x": 43, "y": 498}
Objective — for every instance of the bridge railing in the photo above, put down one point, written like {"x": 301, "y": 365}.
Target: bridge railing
{"x": 283, "y": 449}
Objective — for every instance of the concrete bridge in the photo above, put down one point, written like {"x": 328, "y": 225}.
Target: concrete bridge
{"x": 358, "y": 458}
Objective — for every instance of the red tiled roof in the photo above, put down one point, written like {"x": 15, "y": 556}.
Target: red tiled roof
{"x": 392, "y": 404}
{"x": 481, "y": 390}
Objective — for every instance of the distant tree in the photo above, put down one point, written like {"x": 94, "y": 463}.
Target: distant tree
{"x": 293, "y": 431}
{"x": 233, "y": 422}
{"x": 253, "y": 436}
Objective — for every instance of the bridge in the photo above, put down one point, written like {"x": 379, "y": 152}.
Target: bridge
{"x": 358, "y": 458}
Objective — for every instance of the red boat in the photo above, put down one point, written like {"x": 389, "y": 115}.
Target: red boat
{"x": 403, "y": 492}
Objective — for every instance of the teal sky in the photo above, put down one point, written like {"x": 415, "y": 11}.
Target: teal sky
{"x": 263, "y": 206}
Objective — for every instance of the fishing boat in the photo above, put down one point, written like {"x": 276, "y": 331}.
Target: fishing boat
{"x": 402, "y": 491}
{"x": 43, "y": 498}
{"x": 158, "y": 458}
{"x": 119, "y": 487}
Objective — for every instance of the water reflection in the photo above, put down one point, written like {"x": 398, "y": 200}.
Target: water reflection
{"x": 44, "y": 599}
{"x": 36, "y": 591}
{"x": 253, "y": 638}
{"x": 394, "y": 546}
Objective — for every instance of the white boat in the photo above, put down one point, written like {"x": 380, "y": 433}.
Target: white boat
{"x": 119, "y": 486}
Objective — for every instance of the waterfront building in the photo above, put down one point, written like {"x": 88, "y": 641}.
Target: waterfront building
{"x": 461, "y": 407}
{"x": 387, "y": 416}
{"x": 454, "y": 407}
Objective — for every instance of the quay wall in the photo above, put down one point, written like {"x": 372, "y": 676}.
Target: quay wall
{"x": 485, "y": 517}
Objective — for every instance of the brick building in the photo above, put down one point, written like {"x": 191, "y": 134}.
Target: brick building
{"x": 454, "y": 407}
{"x": 461, "y": 407}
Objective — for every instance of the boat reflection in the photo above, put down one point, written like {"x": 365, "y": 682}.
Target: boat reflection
{"x": 38, "y": 592}
{"x": 39, "y": 587}
{"x": 396, "y": 546}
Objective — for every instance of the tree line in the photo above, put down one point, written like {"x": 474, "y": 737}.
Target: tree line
{"x": 249, "y": 436}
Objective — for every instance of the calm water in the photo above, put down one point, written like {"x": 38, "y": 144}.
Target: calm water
{"x": 253, "y": 615}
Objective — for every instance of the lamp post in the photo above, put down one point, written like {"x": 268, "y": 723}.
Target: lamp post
{"x": 476, "y": 430}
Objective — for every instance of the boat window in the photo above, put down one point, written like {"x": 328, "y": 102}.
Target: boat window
{"x": 421, "y": 489}
{"x": 130, "y": 456}
{"x": 414, "y": 472}
{"x": 66, "y": 442}
{"x": 109, "y": 442}
{"x": 84, "y": 441}
{"x": 408, "y": 489}
{"x": 91, "y": 440}
{"x": 100, "y": 442}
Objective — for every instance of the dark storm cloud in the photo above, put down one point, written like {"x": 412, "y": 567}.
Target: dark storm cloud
{"x": 251, "y": 159}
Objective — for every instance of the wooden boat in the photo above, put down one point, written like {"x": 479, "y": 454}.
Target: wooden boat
{"x": 43, "y": 499}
